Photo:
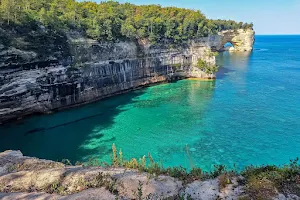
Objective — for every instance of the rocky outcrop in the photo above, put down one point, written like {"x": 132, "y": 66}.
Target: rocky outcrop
{"x": 72, "y": 70}
{"x": 28, "y": 178}
{"x": 31, "y": 178}
{"x": 242, "y": 40}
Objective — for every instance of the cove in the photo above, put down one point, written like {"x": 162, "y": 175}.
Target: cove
{"x": 249, "y": 115}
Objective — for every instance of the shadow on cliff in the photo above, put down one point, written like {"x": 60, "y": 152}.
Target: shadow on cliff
{"x": 44, "y": 46}
{"x": 72, "y": 134}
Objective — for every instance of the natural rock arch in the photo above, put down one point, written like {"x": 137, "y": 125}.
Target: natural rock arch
{"x": 242, "y": 40}
{"x": 228, "y": 46}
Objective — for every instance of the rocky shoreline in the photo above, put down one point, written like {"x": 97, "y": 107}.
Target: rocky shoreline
{"x": 23, "y": 177}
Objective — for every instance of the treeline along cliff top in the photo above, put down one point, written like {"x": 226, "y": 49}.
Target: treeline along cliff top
{"x": 113, "y": 21}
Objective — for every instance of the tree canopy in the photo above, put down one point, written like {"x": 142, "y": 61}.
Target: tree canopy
{"x": 112, "y": 21}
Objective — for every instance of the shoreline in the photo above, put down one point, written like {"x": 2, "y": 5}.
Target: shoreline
{"x": 53, "y": 111}
{"x": 22, "y": 176}
{"x": 61, "y": 109}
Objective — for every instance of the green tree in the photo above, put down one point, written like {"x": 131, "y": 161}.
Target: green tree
{"x": 128, "y": 30}
{"x": 8, "y": 8}
{"x": 111, "y": 21}
{"x": 207, "y": 68}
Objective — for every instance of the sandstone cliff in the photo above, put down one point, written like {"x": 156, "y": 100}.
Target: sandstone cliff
{"x": 42, "y": 71}
{"x": 242, "y": 40}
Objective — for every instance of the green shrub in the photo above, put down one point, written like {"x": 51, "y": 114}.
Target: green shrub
{"x": 57, "y": 188}
{"x": 286, "y": 178}
{"x": 218, "y": 170}
{"x": 178, "y": 172}
{"x": 210, "y": 53}
{"x": 261, "y": 188}
{"x": 259, "y": 181}
{"x": 207, "y": 68}
{"x": 196, "y": 173}
{"x": 115, "y": 159}
{"x": 177, "y": 65}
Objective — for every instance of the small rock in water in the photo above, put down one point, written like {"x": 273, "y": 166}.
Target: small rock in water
{"x": 192, "y": 149}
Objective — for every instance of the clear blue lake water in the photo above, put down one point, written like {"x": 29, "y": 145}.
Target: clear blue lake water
{"x": 249, "y": 115}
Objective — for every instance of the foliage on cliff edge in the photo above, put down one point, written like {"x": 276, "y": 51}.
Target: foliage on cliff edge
{"x": 206, "y": 67}
{"x": 111, "y": 21}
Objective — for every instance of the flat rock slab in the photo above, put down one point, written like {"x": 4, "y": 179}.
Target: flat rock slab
{"x": 161, "y": 187}
{"x": 11, "y": 161}
{"x": 90, "y": 194}
{"x": 208, "y": 190}
{"x": 28, "y": 196}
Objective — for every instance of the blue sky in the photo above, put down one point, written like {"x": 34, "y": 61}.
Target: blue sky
{"x": 268, "y": 16}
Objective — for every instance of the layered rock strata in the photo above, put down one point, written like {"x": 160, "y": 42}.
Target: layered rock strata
{"x": 67, "y": 71}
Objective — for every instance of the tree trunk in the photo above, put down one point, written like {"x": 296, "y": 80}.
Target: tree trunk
{"x": 8, "y": 18}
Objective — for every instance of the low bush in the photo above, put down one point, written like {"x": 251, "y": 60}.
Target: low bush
{"x": 262, "y": 182}
{"x": 285, "y": 179}
{"x": 261, "y": 188}
{"x": 206, "y": 67}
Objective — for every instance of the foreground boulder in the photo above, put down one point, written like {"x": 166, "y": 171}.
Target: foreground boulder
{"x": 28, "y": 178}
{"x": 24, "y": 177}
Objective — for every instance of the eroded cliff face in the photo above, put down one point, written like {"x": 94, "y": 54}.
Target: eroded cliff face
{"x": 242, "y": 40}
{"x": 75, "y": 70}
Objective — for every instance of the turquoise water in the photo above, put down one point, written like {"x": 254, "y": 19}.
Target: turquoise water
{"x": 249, "y": 115}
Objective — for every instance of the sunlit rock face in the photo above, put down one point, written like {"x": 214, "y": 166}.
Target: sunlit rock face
{"x": 242, "y": 40}
{"x": 73, "y": 70}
